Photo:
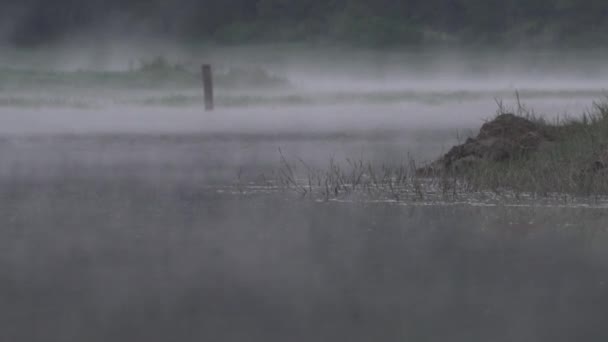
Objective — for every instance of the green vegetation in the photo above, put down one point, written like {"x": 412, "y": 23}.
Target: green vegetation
{"x": 27, "y": 102}
{"x": 360, "y": 22}
{"x": 157, "y": 73}
{"x": 573, "y": 163}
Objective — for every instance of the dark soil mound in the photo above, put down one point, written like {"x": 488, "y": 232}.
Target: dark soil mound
{"x": 506, "y": 137}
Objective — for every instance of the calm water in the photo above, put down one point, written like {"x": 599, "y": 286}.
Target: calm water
{"x": 126, "y": 260}
{"x": 113, "y": 228}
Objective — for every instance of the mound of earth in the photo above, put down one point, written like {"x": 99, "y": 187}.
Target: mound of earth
{"x": 506, "y": 137}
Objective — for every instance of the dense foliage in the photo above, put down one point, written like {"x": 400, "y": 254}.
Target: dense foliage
{"x": 366, "y": 22}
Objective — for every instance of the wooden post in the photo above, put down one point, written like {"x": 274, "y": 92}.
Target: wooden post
{"x": 208, "y": 87}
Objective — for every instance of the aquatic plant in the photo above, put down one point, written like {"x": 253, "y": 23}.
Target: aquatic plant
{"x": 574, "y": 162}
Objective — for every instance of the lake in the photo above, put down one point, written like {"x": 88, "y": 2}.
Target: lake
{"x": 121, "y": 221}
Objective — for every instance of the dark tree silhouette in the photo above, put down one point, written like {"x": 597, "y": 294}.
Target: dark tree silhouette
{"x": 378, "y": 22}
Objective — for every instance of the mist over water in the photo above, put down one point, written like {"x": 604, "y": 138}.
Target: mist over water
{"x": 325, "y": 90}
{"x": 63, "y": 107}
{"x": 121, "y": 220}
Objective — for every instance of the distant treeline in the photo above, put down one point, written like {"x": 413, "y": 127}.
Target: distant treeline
{"x": 358, "y": 22}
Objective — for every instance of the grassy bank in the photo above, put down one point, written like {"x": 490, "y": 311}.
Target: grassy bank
{"x": 154, "y": 74}
{"x": 572, "y": 162}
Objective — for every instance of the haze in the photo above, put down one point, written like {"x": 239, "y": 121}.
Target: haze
{"x": 129, "y": 213}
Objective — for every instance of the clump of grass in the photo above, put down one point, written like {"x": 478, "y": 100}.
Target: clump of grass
{"x": 570, "y": 165}
{"x": 358, "y": 179}
{"x": 573, "y": 161}
{"x": 567, "y": 165}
